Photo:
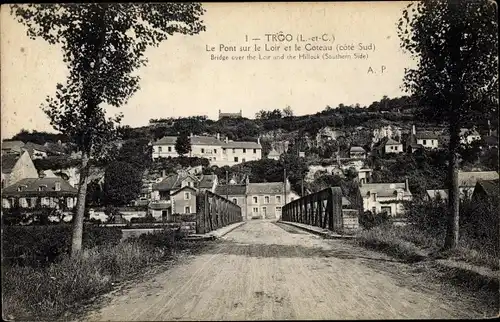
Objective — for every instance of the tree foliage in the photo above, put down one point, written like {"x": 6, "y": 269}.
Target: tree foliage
{"x": 455, "y": 80}
{"x": 103, "y": 45}
{"x": 183, "y": 144}
{"x": 122, "y": 183}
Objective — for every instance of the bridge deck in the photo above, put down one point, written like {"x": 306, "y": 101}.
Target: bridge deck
{"x": 264, "y": 270}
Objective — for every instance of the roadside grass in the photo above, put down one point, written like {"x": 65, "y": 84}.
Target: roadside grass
{"x": 31, "y": 293}
{"x": 412, "y": 244}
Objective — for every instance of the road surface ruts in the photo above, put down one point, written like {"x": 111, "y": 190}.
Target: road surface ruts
{"x": 268, "y": 271}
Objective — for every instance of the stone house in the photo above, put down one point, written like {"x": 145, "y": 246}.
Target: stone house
{"x": 385, "y": 197}
{"x": 16, "y": 167}
{"x": 29, "y": 193}
{"x": 230, "y": 115}
{"x": 357, "y": 152}
{"x": 421, "y": 140}
{"x": 389, "y": 146}
{"x": 218, "y": 152}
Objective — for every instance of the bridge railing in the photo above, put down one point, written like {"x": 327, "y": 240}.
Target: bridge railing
{"x": 214, "y": 212}
{"x": 322, "y": 209}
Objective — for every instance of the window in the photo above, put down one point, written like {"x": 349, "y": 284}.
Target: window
{"x": 234, "y": 150}
{"x": 235, "y": 159}
{"x": 278, "y": 209}
{"x": 23, "y": 202}
{"x": 243, "y": 160}
{"x": 57, "y": 186}
{"x": 224, "y": 150}
{"x": 215, "y": 150}
{"x": 255, "y": 210}
{"x": 266, "y": 199}
{"x": 20, "y": 188}
{"x": 215, "y": 158}
{"x": 159, "y": 149}
{"x": 255, "y": 200}
{"x": 374, "y": 210}
{"x": 374, "y": 195}
{"x": 278, "y": 199}
{"x": 425, "y": 142}
{"x": 244, "y": 150}
{"x": 235, "y": 200}
{"x": 190, "y": 184}
{"x": 254, "y": 150}
{"x": 202, "y": 150}
{"x": 187, "y": 195}
{"x": 169, "y": 149}
{"x": 42, "y": 188}
{"x": 187, "y": 210}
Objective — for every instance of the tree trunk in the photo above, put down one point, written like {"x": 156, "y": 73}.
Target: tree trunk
{"x": 76, "y": 241}
{"x": 452, "y": 229}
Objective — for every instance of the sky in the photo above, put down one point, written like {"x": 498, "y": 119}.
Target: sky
{"x": 182, "y": 80}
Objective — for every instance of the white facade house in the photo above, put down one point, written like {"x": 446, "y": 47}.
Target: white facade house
{"x": 468, "y": 136}
{"x": 385, "y": 197}
{"x": 218, "y": 152}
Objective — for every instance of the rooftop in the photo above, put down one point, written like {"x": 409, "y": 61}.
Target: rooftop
{"x": 231, "y": 189}
{"x": 433, "y": 193}
{"x": 263, "y": 188}
{"x": 427, "y": 135}
{"x": 383, "y": 189}
{"x": 357, "y": 149}
{"x": 490, "y": 187}
{"x": 8, "y": 162}
{"x": 207, "y": 181}
{"x": 469, "y": 179}
{"x": 9, "y": 145}
{"x": 31, "y": 187}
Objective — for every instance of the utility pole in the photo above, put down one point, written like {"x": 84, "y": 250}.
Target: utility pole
{"x": 284, "y": 183}
{"x": 227, "y": 185}
{"x": 302, "y": 186}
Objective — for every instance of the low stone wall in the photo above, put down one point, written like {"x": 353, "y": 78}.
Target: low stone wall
{"x": 188, "y": 228}
{"x": 350, "y": 219}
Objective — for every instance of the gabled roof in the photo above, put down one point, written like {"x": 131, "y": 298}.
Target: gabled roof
{"x": 182, "y": 189}
{"x": 469, "y": 132}
{"x": 383, "y": 189}
{"x": 231, "y": 189}
{"x": 241, "y": 145}
{"x": 427, "y": 135}
{"x": 469, "y": 179}
{"x": 9, "y": 145}
{"x": 392, "y": 142}
{"x": 195, "y": 140}
{"x": 263, "y": 188}
{"x": 207, "y": 181}
{"x": 490, "y": 187}
{"x": 357, "y": 149}
{"x": 433, "y": 193}
{"x": 8, "y": 162}
{"x": 173, "y": 182}
{"x": 31, "y": 186}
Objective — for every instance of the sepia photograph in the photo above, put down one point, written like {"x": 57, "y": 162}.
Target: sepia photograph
{"x": 250, "y": 161}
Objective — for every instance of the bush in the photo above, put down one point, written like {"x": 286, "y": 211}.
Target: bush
{"x": 368, "y": 220}
{"x": 42, "y": 245}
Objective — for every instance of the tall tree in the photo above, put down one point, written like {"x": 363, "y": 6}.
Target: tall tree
{"x": 122, "y": 183}
{"x": 103, "y": 45}
{"x": 455, "y": 80}
{"x": 183, "y": 144}
{"x": 287, "y": 111}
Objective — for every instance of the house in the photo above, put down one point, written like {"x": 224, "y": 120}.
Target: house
{"x": 36, "y": 151}
{"x": 218, "y": 152}
{"x": 29, "y": 193}
{"x": 389, "y": 146}
{"x": 424, "y": 139}
{"x": 328, "y": 134}
{"x": 235, "y": 193}
{"x": 364, "y": 175}
{"x": 258, "y": 200}
{"x": 16, "y": 167}
{"x": 357, "y": 152}
{"x": 176, "y": 194}
{"x": 436, "y": 194}
{"x": 12, "y": 147}
{"x": 468, "y": 136}
{"x": 385, "y": 197}
{"x": 467, "y": 181}
{"x": 230, "y": 115}
{"x": 273, "y": 154}
{"x": 386, "y": 132}
{"x": 265, "y": 199}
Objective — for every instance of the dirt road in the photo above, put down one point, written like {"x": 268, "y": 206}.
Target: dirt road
{"x": 264, "y": 271}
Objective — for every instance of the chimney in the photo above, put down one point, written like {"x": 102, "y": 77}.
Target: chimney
{"x": 413, "y": 130}
{"x": 258, "y": 140}
{"x": 247, "y": 180}
{"x": 163, "y": 173}
{"x": 407, "y": 185}
{"x": 226, "y": 140}
{"x": 191, "y": 134}
{"x": 218, "y": 136}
